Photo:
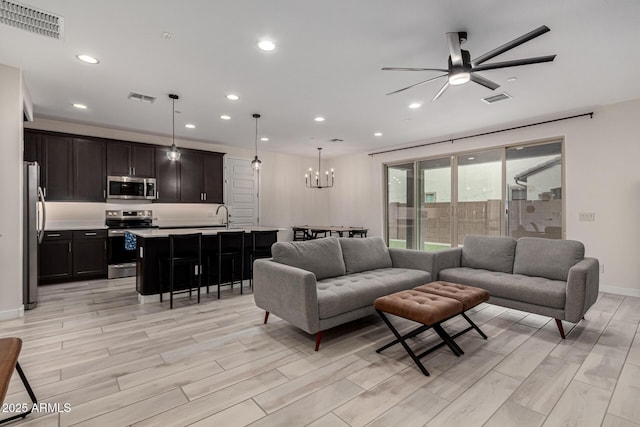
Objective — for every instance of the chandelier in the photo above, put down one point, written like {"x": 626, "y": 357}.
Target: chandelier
{"x": 316, "y": 181}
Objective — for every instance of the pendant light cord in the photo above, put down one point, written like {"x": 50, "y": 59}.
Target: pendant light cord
{"x": 257, "y": 136}
{"x": 173, "y": 122}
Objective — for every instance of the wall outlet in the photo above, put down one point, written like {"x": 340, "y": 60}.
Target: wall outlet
{"x": 586, "y": 216}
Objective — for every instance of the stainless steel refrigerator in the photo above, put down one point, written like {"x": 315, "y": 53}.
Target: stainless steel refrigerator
{"x": 34, "y": 222}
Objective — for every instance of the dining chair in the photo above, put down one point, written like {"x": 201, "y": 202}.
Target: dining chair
{"x": 185, "y": 257}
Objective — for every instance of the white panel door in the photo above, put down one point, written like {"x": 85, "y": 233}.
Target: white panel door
{"x": 241, "y": 192}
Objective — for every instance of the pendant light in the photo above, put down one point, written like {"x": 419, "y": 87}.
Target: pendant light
{"x": 173, "y": 154}
{"x": 316, "y": 181}
{"x": 256, "y": 163}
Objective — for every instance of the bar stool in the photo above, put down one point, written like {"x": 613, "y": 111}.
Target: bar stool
{"x": 184, "y": 250}
{"x": 318, "y": 233}
{"x": 261, "y": 242}
{"x": 230, "y": 248}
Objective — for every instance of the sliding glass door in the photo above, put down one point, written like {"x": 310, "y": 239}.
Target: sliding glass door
{"x": 433, "y": 204}
{"x": 401, "y": 206}
{"x": 534, "y": 191}
{"x": 479, "y": 197}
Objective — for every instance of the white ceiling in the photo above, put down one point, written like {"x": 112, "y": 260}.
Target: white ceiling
{"x": 327, "y": 62}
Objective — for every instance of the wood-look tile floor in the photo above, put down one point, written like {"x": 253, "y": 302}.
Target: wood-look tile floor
{"x": 118, "y": 363}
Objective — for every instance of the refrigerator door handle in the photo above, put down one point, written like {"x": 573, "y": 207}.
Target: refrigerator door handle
{"x": 40, "y": 227}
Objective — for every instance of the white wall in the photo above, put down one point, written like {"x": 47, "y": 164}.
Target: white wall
{"x": 602, "y": 176}
{"x": 11, "y": 142}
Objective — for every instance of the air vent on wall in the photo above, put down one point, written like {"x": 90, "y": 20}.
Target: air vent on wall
{"x": 31, "y": 19}
{"x": 142, "y": 98}
{"x": 336, "y": 140}
{"x": 495, "y": 98}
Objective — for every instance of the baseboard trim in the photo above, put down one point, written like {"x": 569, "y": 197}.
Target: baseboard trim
{"x": 12, "y": 314}
{"x": 620, "y": 291}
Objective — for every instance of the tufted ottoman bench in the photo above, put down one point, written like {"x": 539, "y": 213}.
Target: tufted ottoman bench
{"x": 430, "y": 305}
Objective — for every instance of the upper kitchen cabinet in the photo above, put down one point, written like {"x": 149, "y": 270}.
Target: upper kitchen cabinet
{"x": 130, "y": 159}
{"x": 89, "y": 170}
{"x": 167, "y": 177}
{"x": 195, "y": 178}
{"x": 212, "y": 177}
{"x": 54, "y": 154}
{"x": 191, "y": 177}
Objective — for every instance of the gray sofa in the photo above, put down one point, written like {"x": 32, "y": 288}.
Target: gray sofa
{"x": 319, "y": 284}
{"x": 543, "y": 276}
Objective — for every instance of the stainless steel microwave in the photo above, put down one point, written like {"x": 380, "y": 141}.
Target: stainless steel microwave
{"x": 131, "y": 188}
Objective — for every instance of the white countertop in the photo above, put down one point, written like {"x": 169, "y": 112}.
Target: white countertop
{"x": 165, "y": 232}
{"x": 74, "y": 225}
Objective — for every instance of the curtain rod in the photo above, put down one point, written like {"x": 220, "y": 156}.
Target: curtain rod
{"x": 451, "y": 140}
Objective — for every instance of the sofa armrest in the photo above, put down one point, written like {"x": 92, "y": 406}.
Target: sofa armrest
{"x": 413, "y": 259}
{"x": 583, "y": 285}
{"x": 448, "y": 258}
{"x": 288, "y": 292}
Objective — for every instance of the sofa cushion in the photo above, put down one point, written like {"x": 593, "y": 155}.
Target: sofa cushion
{"x": 489, "y": 253}
{"x": 340, "y": 295}
{"x": 517, "y": 287}
{"x": 548, "y": 258}
{"x": 323, "y": 257}
{"x": 365, "y": 254}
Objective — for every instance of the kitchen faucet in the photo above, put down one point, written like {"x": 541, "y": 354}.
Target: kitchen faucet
{"x": 226, "y": 209}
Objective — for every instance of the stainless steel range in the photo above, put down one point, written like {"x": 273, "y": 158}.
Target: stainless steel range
{"x": 122, "y": 257}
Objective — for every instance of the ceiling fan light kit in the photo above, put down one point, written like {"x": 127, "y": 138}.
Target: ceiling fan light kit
{"x": 463, "y": 69}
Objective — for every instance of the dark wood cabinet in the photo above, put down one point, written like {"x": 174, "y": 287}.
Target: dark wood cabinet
{"x": 89, "y": 253}
{"x": 212, "y": 177}
{"x": 191, "y": 177}
{"x": 89, "y": 170}
{"x": 69, "y": 255}
{"x": 130, "y": 159}
{"x": 167, "y": 176}
{"x": 74, "y": 168}
{"x": 55, "y": 256}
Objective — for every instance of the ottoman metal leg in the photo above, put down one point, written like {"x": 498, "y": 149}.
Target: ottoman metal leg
{"x": 401, "y": 340}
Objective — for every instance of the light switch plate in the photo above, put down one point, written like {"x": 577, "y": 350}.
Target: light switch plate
{"x": 587, "y": 216}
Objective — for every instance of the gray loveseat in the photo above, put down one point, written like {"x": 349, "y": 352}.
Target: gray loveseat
{"x": 319, "y": 284}
{"x": 543, "y": 276}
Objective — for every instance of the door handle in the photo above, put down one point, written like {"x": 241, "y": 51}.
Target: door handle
{"x": 53, "y": 235}
{"x": 90, "y": 234}
{"x": 205, "y": 197}
{"x": 134, "y": 170}
{"x": 69, "y": 247}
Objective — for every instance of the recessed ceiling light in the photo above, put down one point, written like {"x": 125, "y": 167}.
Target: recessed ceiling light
{"x": 264, "y": 139}
{"x": 190, "y": 126}
{"x": 415, "y": 105}
{"x": 87, "y": 58}
{"x": 266, "y": 45}
{"x": 319, "y": 119}
{"x": 471, "y": 158}
{"x": 377, "y": 134}
{"x": 225, "y": 117}
{"x": 232, "y": 97}
{"x": 80, "y": 106}
{"x": 512, "y": 79}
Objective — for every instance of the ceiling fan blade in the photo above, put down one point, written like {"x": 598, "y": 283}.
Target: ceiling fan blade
{"x": 510, "y": 45}
{"x": 441, "y": 91}
{"x": 453, "y": 39}
{"x": 484, "y": 82}
{"x": 412, "y": 69}
{"x": 514, "y": 63}
{"x": 417, "y": 84}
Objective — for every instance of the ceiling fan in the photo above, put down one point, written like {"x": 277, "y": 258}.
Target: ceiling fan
{"x": 462, "y": 68}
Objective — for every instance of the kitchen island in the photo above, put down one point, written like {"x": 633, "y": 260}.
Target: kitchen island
{"x": 153, "y": 249}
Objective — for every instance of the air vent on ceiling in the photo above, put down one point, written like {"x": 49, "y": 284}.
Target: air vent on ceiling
{"x": 336, "y": 140}
{"x": 495, "y": 98}
{"x": 142, "y": 98}
{"x": 31, "y": 19}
